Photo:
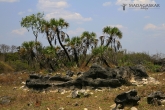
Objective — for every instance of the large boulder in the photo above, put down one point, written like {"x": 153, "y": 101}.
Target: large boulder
{"x": 40, "y": 82}
{"x": 127, "y": 98}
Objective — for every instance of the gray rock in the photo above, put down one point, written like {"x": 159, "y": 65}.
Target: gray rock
{"x": 74, "y": 94}
{"x": 5, "y": 100}
{"x": 95, "y": 77}
{"x": 69, "y": 73}
{"x": 155, "y": 98}
{"x": 127, "y": 98}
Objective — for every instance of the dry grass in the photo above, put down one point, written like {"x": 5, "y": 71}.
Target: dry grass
{"x": 32, "y": 100}
{"x": 4, "y": 67}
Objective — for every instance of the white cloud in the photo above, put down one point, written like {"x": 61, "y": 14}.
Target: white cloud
{"x": 20, "y": 31}
{"x": 67, "y": 15}
{"x": 76, "y": 32}
{"x": 118, "y": 26}
{"x": 21, "y": 13}
{"x": 49, "y": 5}
{"x": 154, "y": 27}
{"x": 107, "y": 4}
{"x": 29, "y": 10}
{"x": 9, "y": 1}
{"x": 146, "y": 16}
{"x": 56, "y": 9}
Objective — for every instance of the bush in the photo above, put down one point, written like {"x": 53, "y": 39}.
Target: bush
{"x": 151, "y": 67}
{"x": 4, "y": 67}
{"x": 19, "y": 65}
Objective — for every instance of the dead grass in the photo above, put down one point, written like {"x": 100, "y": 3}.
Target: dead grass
{"x": 4, "y": 67}
{"x": 32, "y": 100}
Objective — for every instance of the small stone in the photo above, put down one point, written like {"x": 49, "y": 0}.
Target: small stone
{"x": 162, "y": 101}
{"x": 63, "y": 92}
{"x": 113, "y": 106}
{"x": 61, "y": 108}
{"x": 76, "y": 104}
{"x": 100, "y": 108}
{"x": 74, "y": 94}
{"x": 144, "y": 79}
{"x": 23, "y": 82}
{"x": 91, "y": 93}
{"x": 85, "y": 109}
{"x": 22, "y": 87}
{"x": 134, "y": 108}
{"x": 14, "y": 88}
{"x": 47, "y": 108}
{"x": 53, "y": 91}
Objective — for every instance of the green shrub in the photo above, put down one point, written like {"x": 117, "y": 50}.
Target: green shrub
{"x": 151, "y": 67}
{"x": 19, "y": 65}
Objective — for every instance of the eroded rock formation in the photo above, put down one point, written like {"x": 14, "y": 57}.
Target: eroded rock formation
{"x": 95, "y": 77}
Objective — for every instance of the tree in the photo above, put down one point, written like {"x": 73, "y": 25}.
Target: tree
{"x": 74, "y": 44}
{"x": 88, "y": 40}
{"x": 98, "y": 53}
{"x": 26, "y": 52}
{"x": 33, "y": 22}
{"x": 53, "y": 30}
{"x": 113, "y": 34}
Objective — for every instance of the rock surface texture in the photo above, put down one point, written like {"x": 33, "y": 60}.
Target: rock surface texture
{"x": 156, "y": 98}
{"x": 126, "y": 98}
{"x": 95, "y": 77}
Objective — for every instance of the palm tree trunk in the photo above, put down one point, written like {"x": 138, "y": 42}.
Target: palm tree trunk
{"x": 50, "y": 43}
{"x": 109, "y": 41}
{"x": 58, "y": 36}
{"x": 89, "y": 60}
{"x": 104, "y": 61}
{"x": 76, "y": 57}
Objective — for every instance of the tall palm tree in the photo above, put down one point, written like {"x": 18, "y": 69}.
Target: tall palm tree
{"x": 113, "y": 34}
{"x": 53, "y": 30}
{"x": 88, "y": 38}
{"x": 74, "y": 43}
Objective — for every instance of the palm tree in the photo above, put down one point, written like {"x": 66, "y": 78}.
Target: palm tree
{"x": 88, "y": 39}
{"x": 26, "y": 51}
{"x": 99, "y": 52}
{"x": 113, "y": 34}
{"x": 53, "y": 30}
{"x": 75, "y": 44}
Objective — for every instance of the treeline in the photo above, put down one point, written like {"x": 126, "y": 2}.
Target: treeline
{"x": 75, "y": 51}
{"x": 28, "y": 56}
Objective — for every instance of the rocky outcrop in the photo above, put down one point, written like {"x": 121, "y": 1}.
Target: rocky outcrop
{"x": 156, "y": 98}
{"x": 127, "y": 98}
{"x": 95, "y": 77}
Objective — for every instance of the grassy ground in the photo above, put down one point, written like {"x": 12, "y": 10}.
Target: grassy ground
{"x": 32, "y": 100}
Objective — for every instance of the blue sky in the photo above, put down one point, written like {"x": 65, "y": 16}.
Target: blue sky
{"x": 143, "y": 30}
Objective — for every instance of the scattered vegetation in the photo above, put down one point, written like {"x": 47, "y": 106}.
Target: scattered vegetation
{"x": 76, "y": 53}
